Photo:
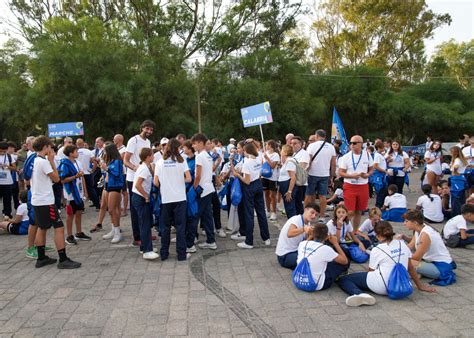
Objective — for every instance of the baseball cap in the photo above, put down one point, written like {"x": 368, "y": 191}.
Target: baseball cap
{"x": 164, "y": 140}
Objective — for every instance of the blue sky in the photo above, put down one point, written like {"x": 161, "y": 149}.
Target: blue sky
{"x": 461, "y": 28}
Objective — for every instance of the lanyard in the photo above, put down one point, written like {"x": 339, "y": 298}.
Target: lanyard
{"x": 302, "y": 220}
{"x": 354, "y": 165}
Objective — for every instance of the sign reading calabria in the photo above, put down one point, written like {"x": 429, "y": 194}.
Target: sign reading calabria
{"x": 257, "y": 115}
{"x": 65, "y": 129}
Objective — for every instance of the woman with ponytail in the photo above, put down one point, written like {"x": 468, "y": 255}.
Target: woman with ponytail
{"x": 430, "y": 205}
{"x": 382, "y": 261}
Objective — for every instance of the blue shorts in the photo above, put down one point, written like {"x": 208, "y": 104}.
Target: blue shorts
{"x": 317, "y": 186}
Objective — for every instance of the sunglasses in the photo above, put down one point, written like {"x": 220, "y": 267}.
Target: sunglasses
{"x": 354, "y": 143}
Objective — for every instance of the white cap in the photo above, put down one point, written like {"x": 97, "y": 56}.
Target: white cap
{"x": 232, "y": 139}
{"x": 164, "y": 140}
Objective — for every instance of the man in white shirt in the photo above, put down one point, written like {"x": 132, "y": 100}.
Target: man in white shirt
{"x": 7, "y": 165}
{"x": 203, "y": 181}
{"x": 355, "y": 167}
{"x": 302, "y": 157}
{"x": 289, "y": 137}
{"x": 132, "y": 161}
{"x": 118, "y": 141}
{"x": 67, "y": 142}
{"x": 321, "y": 170}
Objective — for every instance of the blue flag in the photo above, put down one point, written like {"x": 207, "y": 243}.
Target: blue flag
{"x": 338, "y": 133}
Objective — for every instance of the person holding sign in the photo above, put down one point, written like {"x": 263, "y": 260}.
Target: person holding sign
{"x": 355, "y": 167}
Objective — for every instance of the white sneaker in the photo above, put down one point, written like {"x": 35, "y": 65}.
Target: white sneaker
{"x": 173, "y": 240}
{"x": 154, "y": 250}
{"x": 237, "y": 237}
{"x": 221, "y": 233}
{"x": 150, "y": 255}
{"x": 191, "y": 249}
{"x": 117, "y": 238}
{"x": 330, "y": 207}
{"x": 243, "y": 245}
{"x": 361, "y": 299}
{"x": 205, "y": 245}
{"x": 188, "y": 256}
{"x": 203, "y": 232}
{"x": 267, "y": 214}
{"x": 273, "y": 216}
{"x": 267, "y": 242}
{"x": 109, "y": 235}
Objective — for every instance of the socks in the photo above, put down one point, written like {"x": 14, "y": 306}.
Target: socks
{"x": 41, "y": 252}
{"x": 62, "y": 255}
{"x": 116, "y": 230}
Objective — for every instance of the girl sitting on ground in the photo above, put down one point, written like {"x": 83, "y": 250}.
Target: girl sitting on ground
{"x": 382, "y": 261}
{"x": 431, "y": 258}
{"x": 431, "y": 205}
{"x": 366, "y": 232}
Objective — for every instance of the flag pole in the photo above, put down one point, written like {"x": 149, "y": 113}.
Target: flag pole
{"x": 261, "y": 134}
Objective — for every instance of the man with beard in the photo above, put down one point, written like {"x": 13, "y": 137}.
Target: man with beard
{"x": 132, "y": 161}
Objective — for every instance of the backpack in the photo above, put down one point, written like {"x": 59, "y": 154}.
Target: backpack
{"x": 357, "y": 255}
{"x": 399, "y": 285}
{"x": 236, "y": 192}
{"x": 222, "y": 194}
{"x": 266, "y": 171}
{"x": 301, "y": 174}
{"x": 301, "y": 276}
{"x": 192, "y": 207}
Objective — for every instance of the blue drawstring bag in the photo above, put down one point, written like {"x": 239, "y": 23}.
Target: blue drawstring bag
{"x": 155, "y": 200}
{"x": 236, "y": 193}
{"x": 457, "y": 184}
{"x": 399, "y": 285}
{"x": 223, "y": 196}
{"x": 266, "y": 171}
{"x": 192, "y": 207}
{"x": 357, "y": 255}
{"x": 301, "y": 276}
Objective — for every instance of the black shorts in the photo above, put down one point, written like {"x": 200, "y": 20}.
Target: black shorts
{"x": 47, "y": 216}
{"x": 73, "y": 207}
{"x": 119, "y": 190}
{"x": 124, "y": 189}
{"x": 269, "y": 185}
{"x": 13, "y": 229}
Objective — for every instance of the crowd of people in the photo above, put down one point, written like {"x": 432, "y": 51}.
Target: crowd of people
{"x": 181, "y": 185}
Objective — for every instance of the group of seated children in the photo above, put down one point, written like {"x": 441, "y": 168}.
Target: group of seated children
{"x": 325, "y": 248}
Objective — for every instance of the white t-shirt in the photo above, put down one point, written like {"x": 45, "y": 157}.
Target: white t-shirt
{"x": 395, "y": 201}
{"x": 381, "y": 263}
{"x": 134, "y": 146}
{"x": 204, "y": 160}
{"x": 41, "y": 184}
{"x": 468, "y": 153}
{"x": 274, "y": 157}
{"x": 286, "y": 244}
{"x": 122, "y": 150}
{"x": 346, "y": 228}
{"x": 84, "y": 158}
{"x": 356, "y": 164}
{"x": 78, "y": 182}
{"x": 367, "y": 227}
{"x": 398, "y": 161}
{"x": 454, "y": 225}
{"x": 436, "y": 165}
{"x": 144, "y": 173}
{"x": 459, "y": 165}
{"x": 22, "y": 211}
{"x": 318, "y": 260}
{"x": 6, "y": 174}
{"x": 321, "y": 164}
{"x": 252, "y": 167}
{"x": 380, "y": 160}
{"x": 171, "y": 176}
{"x": 339, "y": 193}
{"x": 432, "y": 210}
{"x": 437, "y": 252}
{"x": 289, "y": 165}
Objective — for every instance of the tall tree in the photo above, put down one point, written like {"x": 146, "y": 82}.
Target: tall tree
{"x": 380, "y": 33}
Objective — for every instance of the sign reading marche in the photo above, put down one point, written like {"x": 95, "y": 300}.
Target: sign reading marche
{"x": 257, "y": 115}
{"x": 65, "y": 129}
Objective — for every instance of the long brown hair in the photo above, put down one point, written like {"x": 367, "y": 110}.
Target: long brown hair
{"x": 457, "y": 153}
{"x": 399, "y": 151}
{"x": 172, "y": 151}
{"x": 111, "y": 153}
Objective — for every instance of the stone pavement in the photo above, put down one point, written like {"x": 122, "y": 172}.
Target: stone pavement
{"x": 227, "y": 292}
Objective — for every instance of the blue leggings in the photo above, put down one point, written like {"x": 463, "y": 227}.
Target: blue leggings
{"x": 354, "y": 283}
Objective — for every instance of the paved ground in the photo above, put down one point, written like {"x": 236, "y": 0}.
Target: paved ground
{"x": 228, "y": 292}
